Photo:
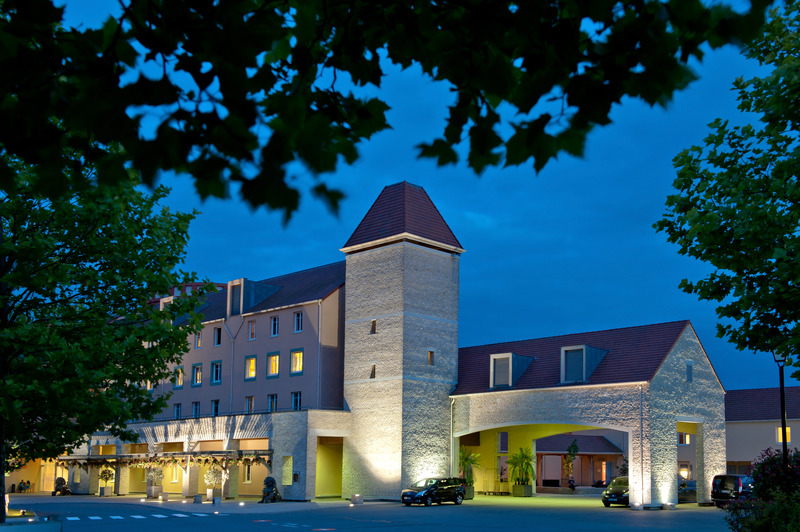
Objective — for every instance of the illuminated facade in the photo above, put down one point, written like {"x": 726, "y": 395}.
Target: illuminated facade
{"x": 347, "y": 378}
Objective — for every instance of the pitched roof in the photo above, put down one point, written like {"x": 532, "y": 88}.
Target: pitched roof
{"x": 586, "y": 444}
{"x": 290, "y": 289}
{"x": 761, "y": 404}
{"x": 634, "y": 355}
{"x": 403, "y": 209}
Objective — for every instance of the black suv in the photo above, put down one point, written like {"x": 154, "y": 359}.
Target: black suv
{"x": 727, "y": 488}
{"x": 434, "y": 490}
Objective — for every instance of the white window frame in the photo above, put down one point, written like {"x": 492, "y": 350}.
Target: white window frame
{"x": 492, "y": 358}
{"x": 216, "y": 372}
{"x": 564, "y": 350}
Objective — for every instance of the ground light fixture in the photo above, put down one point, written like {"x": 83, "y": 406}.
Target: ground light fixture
{"x": 780, "y": 360}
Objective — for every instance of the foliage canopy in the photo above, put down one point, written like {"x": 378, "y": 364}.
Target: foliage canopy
{"x": 737, "y": 205}
{"x": 233, "y": 92}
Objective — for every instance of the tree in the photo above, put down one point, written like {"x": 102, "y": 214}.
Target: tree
{"x": 79, "y": 333}
{"x": 569, "y": 458}
{"x": 738, "y": 203}
{"x": 520, "y": 466}
{"x": 467, "y": 462}
{"x": 233, "y": 92}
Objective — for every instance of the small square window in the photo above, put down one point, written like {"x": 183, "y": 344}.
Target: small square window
{"x": 297, "y": 362}
{"x": 251, "y": 330}
{"x": 197, "y": 374}
{"x": 178, "y": 378}
{"x": 217, "y": 336}
{"x": 249, "y": 404}
{"x": 298, "y": 322}
{"x": 273, "y": 365}
{"x": 274, "y": 323}
{"x": 272, "y": 403}
{"x": 215, "y": 407}
{"x": 297, "y": 403}
{"x": 216, "y": 372}
{"x": 250, "y": 368}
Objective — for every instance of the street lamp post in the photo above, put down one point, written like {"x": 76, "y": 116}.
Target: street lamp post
{"x": 780, "y": 360}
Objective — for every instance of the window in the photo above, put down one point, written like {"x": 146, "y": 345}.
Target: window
{"x": 274, "y": 325}
{"x": 250, "y": 368}
{"x": 684, "y": 438}
{"x": 273, "y": 360}
{"x": 216, "y": 372}
{"x": 572, "y": 360}
{"x": 298, "y": 322}
{"x": 272, "y": 403}
{"x": 198, "y": 340}
{"x": 297, "y": 361}
{"x": 196, "y": 410}
{"x": 177, "y": 410}
{"x": 430, "y": 358}
{"x": 297, "y": 403}
{"x": 251, "y": 330}
{"x": 197, "y": 374}
{"x": 215, "y": 407}
{"x": 372, "y": 372}
{"x": 779, "y": 435}
{"x": 217, "y": 336}
{"x": 178, "y": 384}
{"x": 500, "y": 370}
{"x": 249, "y": 404}
{"x": 689, "y": 368}
{"x": 236, "y": 299}
{"x": 502, "y": 442}
{"x": 175, "y": 478}
{"x": 248, "y": 473}
{"x": 373, "y": 328}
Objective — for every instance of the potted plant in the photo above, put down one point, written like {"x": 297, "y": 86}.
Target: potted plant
{"x": 213, "y": 477}
{"x": 569, "y": 462}
{"x": 467, "y": 461}
{"x": 154, "y": 477}
{"x": 520, "y": 467}
{"x": 106, "y": 475}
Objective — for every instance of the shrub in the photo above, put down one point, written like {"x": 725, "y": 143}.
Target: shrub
{"x": 780, "y": 514}
{"x": 769, "y": 476}
{"x": 155, "y": 475}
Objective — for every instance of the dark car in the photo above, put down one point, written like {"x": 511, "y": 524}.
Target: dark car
{"x": 616, "y": 492}
{"x": 687, "y": 491}
{"x": 727, "y": 488}
{"x": 434, "y": 490}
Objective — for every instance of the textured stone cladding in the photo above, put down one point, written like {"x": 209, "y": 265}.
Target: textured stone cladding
{"x": 400, "y": 415}
{"x": 700, "y": 402}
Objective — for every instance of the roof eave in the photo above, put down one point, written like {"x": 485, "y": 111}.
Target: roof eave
{"x": 403, "y": 237}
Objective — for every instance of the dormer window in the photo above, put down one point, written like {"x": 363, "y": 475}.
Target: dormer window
{"x": 500, "y": 371}
{"x": 236, "y": 299}
{"x": 578, "y": 362}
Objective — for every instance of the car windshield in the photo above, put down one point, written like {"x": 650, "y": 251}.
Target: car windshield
{"x": 619, "y": 482}
{"x": 424, "y": 483}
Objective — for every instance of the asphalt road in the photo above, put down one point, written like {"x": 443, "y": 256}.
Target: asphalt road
{"x": 558, "y": 513}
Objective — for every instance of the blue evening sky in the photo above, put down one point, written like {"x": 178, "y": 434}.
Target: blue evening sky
{"x": 569, "y": 250}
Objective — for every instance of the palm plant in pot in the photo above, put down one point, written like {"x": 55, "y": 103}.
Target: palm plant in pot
{"x": 520, "y": 467}
{"x": 212, "y": 478}
{"x": 106, "y": 475}
{"x": 154, "y": 477}
{"x": 467, "y": 461}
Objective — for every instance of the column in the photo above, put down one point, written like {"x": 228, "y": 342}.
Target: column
{"x": 191, "y": 481}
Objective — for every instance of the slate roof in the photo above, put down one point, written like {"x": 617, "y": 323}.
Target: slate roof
{"x": 290, "y": 289}
{"x": 761, "y": 404}
{"x": 587, "y": 444}
{"x": 403, "y": 208}
{"x": 634, "y": 355}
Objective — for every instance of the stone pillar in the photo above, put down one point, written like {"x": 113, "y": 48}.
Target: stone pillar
{"x": 94, "y": 480}
{"x": 191, "y": 481}
{"x": 703, "y": 487}
{"x": 533, "y": 452}
{"x": 230, "y": 482}
{"x": 122, "y": 475}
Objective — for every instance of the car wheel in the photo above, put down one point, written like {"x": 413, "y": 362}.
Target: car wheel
{"x": 458, "y": 499}
{"x": 606, "y": 504}
{"x": 407, "y": 503}
{"x": 428, "y": 500}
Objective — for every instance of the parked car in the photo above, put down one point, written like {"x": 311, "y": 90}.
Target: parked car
{"x": 687, "y": 491}
{"x": 616, "y": 492}
{"x": 727, "y": 488}
{"x": 434, "y": 490}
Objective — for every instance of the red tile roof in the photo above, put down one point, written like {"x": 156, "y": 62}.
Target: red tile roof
{"x": 634, "y": 355}
{"x": 403, "y": 208}
{"x": 761, "y": 404}
{"x": 587, "y": 444}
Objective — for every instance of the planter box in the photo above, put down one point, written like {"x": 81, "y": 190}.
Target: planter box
{"x": 522, "y": 491}
{"x": 106, "y": 491}
{"x": 212, "y": 493}
{"x": 469, "y": 492}
{"x": 154, "y": 491}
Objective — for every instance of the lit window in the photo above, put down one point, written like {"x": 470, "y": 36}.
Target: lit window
{"x": 250, "y": 368}
{"x": 779, "y": 435}
{"x": 684, "y": 438}
{"x": 274, "y": 325}
{"x": 272, "y": 403}
{"x": 215, "y": 407}
{"x": 297, "y": 361}
{"x": 500, "y": 370}
{"x": 249, "y": 404}
{"x": 217, "y": 336}
{"x": 198, "y": 340}
{"x": 298, "y": 322}
{"x": 216, "y": 372}
{"x": 196, "y": 410}
{"x": 430, "y": 358}
{"x": 177, "y": 410}
{"x": 178, "y": 378}
{"x": 251, "y": 330}
{"x": 197, "y": 374}
{"x": 273, "y": 360}
{"x": 296, "y": 401}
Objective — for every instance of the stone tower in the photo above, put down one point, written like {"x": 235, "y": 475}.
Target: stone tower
{"x": 401, "y": 343}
